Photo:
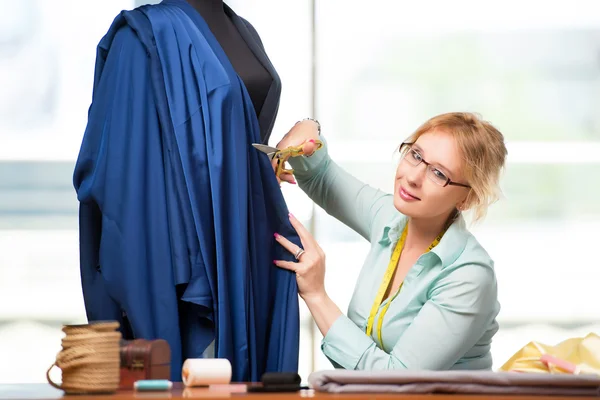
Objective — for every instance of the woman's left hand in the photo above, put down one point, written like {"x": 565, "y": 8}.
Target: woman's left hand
{"x": 310, "y": 268}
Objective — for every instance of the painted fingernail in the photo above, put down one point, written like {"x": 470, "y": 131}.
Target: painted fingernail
{"x": 291, "y": 215}
{"x": 275, "y": 262}
{"x": 276, "y": 235}
{"x": 293, "y": 182}
{"x": 311, "y": 140}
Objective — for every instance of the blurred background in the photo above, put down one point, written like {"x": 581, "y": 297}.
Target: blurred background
{"x": 371, "y": 72}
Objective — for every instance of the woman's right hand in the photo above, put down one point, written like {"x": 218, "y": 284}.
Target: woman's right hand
{"x": 302, "y": 133}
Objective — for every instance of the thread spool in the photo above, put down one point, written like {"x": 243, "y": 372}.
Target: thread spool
{"x": 206, "y": 371}
{"x": 89, "y": 359}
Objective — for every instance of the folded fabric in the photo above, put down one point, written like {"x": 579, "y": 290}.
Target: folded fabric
{"x": 464, "y": 382}
{"x": 571, "y": 356}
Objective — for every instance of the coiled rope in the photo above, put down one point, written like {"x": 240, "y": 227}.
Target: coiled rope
{"x": 89, "y": 359}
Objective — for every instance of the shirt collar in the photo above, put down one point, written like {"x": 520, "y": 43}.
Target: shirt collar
{"x": 453, "y": 243}
{"x": 392, "y": 231}
{"x": 448, "y": 250}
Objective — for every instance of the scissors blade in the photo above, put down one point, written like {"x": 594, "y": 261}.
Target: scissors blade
{"x": 268, "y": 150}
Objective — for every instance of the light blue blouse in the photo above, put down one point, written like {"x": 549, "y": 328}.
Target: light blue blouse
{"x": 444, "y": 317}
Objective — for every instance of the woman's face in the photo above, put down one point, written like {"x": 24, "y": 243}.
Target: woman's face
{"x": 417, "y": 195}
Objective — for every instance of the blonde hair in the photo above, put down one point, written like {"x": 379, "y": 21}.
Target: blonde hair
{"x": 484, "y": 154}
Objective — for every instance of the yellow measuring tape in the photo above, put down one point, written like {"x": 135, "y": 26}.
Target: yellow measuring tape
{"x": 387, "y": 277}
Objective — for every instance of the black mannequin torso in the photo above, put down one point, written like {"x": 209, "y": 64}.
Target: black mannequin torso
{"x": 255, "y": 77}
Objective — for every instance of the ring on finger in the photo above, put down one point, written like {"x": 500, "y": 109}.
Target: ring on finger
{"x": 299, "y": 253}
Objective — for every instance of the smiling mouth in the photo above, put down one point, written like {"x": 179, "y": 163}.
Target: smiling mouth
{"x": 407, "y": 195}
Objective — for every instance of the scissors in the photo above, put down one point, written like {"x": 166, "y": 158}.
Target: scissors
{"x": 283, "y": 155}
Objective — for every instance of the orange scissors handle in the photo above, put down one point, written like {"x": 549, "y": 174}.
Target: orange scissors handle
{"x": 293, "y": 151}
{"x": 283, "y": 155}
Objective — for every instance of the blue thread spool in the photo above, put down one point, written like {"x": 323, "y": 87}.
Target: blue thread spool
{"x": 153, "y": 385}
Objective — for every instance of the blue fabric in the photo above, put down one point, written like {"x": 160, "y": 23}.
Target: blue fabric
{"x": 177, "y": 210}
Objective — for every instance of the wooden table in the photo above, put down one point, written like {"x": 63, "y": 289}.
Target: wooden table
{"x": 44, "y": 391}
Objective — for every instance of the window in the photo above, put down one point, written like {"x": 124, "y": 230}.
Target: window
{"x": 46, "y": 75}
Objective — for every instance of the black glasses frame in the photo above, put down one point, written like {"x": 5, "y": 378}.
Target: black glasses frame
{"x": 403, "y": 147}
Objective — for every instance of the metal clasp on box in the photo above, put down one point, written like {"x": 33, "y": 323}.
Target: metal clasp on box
{"x": 137, "y": 365}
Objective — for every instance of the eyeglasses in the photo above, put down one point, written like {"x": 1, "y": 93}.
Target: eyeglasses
{"x": 414, "y": 158}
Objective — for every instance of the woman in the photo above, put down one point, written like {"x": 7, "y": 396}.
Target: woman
{"x": 426, "y": 297}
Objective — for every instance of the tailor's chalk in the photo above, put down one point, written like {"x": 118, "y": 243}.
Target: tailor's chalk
{"x": 153, "y": 385}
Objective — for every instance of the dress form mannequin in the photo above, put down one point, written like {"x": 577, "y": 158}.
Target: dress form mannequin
{"x": 254, "y": 75}
{"x": 188, "y": 99}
